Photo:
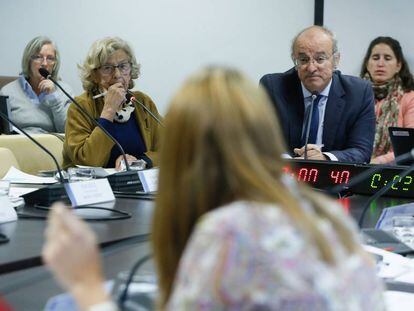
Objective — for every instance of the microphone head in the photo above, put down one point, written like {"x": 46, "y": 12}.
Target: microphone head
{"x": 44, "y": 73}
{"x": 128, "y": 97}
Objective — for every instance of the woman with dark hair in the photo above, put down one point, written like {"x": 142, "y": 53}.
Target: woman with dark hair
{"x": 230, "y": 231}
{"x": 36, "y": 104}
{"x": 384, "y": 64}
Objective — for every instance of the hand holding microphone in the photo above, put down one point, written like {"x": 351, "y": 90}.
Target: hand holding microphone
{"x": 46, "y": 86}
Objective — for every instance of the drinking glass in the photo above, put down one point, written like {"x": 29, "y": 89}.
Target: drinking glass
{"x": 80, "y": 174}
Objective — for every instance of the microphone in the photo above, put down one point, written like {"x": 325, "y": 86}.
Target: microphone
{"x": 121, "y": 180}
{"x": 51, "y": 193}
{"x": 308, "y": 123}
{"x": 130, "y": 97}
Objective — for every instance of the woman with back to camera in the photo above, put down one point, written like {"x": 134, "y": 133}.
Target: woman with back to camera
{"x": 36, "y": 104}
{"x": 230, "y": 230}
{"x": 384, "y": 64}
{"x": 107, "y": 75}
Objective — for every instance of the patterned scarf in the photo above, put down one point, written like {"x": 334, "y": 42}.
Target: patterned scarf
{"x": 391, "y": 93}
{"x": 124, "y": 112}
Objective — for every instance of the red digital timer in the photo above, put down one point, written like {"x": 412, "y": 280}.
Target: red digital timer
{"x": 311, "y": 175}
{"x": 327, "y": 174}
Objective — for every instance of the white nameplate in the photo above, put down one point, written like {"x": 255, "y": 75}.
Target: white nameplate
{"x": 149, "y": 179}
{"x": 89, "y": 192}
{"x": 7, "y": 212}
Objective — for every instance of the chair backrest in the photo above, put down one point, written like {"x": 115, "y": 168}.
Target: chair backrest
{"x": 31, "y": 158}
{"x": 6, "y": 79}
{"x": 7, "y": 160}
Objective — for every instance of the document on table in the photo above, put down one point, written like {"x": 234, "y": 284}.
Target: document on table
{"x": 16, "y": 176}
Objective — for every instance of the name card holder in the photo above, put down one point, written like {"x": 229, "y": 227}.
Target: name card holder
{"x": 89, "y": 192}
{"x": 149, "y": 179}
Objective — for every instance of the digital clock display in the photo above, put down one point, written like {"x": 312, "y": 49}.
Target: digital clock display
{"x": 325, "y": 175}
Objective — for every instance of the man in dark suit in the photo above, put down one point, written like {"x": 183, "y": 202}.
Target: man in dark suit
{"x": 342, "y": 121}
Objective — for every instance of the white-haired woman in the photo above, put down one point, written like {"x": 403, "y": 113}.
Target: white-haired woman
{"x": 36, "y": 104}
{"x": 109, "y": 69}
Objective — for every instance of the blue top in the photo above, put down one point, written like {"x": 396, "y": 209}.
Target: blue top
{"x": 34, "y": 98}
{"x": 128, "y": 135}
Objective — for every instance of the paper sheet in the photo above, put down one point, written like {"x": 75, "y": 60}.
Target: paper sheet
{"x": 16, "y": 176}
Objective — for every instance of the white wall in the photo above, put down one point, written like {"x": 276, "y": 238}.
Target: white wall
{"x": 171, "y": 38}
{"x": 357, "y": 22}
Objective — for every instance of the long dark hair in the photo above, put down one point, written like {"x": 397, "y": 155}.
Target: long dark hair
{"x": 405, "y": 74}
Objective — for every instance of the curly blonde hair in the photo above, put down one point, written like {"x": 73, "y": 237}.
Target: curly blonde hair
{"x": 98, "y": 55}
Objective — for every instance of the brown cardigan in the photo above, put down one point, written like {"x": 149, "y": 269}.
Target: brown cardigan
{"x": 86, "y": 144}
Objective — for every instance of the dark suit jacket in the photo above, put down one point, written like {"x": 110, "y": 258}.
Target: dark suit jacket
{"x": 349, "y": 123}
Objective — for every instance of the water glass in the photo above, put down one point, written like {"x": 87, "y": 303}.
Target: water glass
{"x": 80, "y": 174}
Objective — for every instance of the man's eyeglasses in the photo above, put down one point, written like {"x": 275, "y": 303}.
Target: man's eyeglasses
{"x": 40, "y": 59}
{"x": 124, "y": 68}
{"x": 303, "y": 61}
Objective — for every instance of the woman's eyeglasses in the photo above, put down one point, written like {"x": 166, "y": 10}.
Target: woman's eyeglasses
{"x": 39, "y": 59}
{"x": 124, "y": 68}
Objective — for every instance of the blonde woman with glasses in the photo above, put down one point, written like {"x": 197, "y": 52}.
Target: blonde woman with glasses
{"x": 230, "y": 230}
{"x": 107, "y": 75}
{"x": 36, "y": 104}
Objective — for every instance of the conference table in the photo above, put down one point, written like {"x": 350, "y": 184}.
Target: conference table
{"x": 27, "y": 285}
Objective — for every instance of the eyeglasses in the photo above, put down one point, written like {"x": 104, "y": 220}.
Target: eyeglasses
{"x": 303, "y": 61}
{"x": 40, "y": 59}
{"x": 124, "y": 68}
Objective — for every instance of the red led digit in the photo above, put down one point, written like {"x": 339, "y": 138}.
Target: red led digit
{"x": 303, "y": 174}
{"x": 313, "y": 175}
{"x": 335, "y": 176}
{"x": 307, "y": 175}
{"x": 344, "y": 177}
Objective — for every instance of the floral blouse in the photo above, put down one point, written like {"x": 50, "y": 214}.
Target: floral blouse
{"x": 250, "y": 256}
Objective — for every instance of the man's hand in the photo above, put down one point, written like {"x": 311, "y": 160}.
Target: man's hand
{"x": 313, "y": 152}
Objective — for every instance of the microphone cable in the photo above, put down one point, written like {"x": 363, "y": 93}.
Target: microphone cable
{"x": 62, "y": 180}
{"x": 131, "y": 97}
{"x": 124, "y": 295}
